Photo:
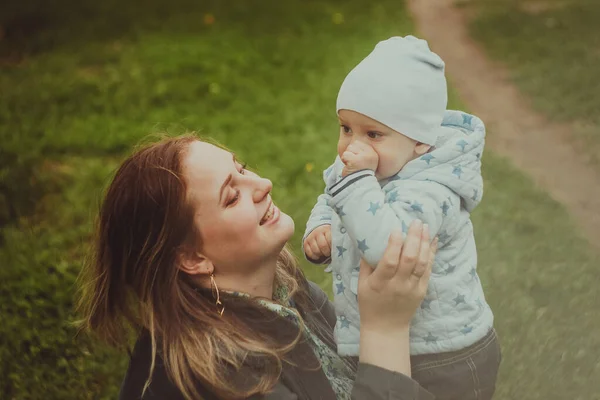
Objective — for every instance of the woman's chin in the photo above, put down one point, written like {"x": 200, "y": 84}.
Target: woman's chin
{"x": 279, "y": 232}
{"x": 287, "y": 225}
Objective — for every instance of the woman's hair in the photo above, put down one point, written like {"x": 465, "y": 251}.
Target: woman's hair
{"x": 132, "y": 284}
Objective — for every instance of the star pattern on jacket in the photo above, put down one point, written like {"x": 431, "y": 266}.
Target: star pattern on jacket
{"x": 459, "y": 299}
{"x": 457, "y": 171}
{"x": 404, "y": 227}
{"x": 416, "y": 206}
{"x": 344, "y": 323}
{"x": 443, "y": 237}
{"x": 373, "y": 207}
{"x": 445, "y": 207}
{"x": 427, "y": 158}
{"x": 392, "y": 197}
{"x": 466, "y": 329}
{"x": 430, "y": 338}
{"x": 473, "y": 273}
{"x": 449, "y": 269}
{"x": 362, "y": 245}
{"x": 426, "y": 304}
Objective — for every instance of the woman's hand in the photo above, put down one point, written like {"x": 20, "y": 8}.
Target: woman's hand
{"x": 389, "y": 295}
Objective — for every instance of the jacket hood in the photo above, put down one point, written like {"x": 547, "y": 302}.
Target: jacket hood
{"x": 455, "y": 160}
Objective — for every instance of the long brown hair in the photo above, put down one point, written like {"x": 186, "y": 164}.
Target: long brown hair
{"x": 132, "y": 283}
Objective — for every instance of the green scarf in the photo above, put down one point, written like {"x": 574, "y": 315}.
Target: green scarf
{"x": 340, "y": 375}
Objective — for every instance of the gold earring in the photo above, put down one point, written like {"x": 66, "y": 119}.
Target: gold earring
{"x": 215, "y": 293}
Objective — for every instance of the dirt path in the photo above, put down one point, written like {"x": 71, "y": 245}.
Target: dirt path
{"x": 543, "y": 150}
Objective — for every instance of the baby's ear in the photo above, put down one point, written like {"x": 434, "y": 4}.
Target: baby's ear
{"x": 422, "y": 148}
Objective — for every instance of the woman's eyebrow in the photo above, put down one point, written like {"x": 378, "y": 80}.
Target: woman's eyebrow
{"x": 227, "y": 181}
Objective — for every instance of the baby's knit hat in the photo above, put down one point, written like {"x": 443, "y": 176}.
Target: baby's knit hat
{"x": 401, "y": 84}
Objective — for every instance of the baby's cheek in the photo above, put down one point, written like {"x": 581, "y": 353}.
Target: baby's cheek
{"x": 389, "y": 165}
{"x": 341, "y": 147}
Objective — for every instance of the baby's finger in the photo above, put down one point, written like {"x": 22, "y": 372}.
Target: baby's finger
{"x": 410, "y": 251}
{"x": 308, "y": 251}
{"x": 328, "y": 237}
{"x": 314, "y": 247}
{"x": 323, "y": 245}
{"x": 389, "y": 262}
{"x": 347, "y": 157}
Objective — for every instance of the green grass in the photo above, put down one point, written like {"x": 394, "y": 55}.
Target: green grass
{"x": 552, "y": 50}
{"x": 83, "y": 82}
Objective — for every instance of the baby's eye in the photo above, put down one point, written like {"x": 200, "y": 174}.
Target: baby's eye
{"x": 374, "y": 135}
{"x": 345, "y": 128}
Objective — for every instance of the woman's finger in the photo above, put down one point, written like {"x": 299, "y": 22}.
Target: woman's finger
{"x": 410, "y": 251}
{"x": 424, "y": 254}
{"x": 433, "y": 248}
{"x": 389, "y": 262}
{"x": 328, "y": 237}
{"x": 424, "y": 281}
{"x": 323, "y": 246}
{"x": 365, "y": 270}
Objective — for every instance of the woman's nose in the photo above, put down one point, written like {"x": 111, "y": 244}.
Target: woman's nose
{"x": 263, "y": 187}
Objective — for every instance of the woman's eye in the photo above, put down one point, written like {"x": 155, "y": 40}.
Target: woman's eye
{"x": 234, "y": 199}
{"x": 374, "y": 135}
{"x": 243, "y": 170}
{"x": 345, "y": 128}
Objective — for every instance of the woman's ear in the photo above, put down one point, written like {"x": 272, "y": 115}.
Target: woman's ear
{"x": 422, "y": 148}
{"x": 195, "y": 263}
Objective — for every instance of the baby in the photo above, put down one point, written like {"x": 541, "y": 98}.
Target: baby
{"x": 402, "y": 156}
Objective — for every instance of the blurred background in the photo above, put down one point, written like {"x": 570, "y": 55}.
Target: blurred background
{"x": 81, "y": 82}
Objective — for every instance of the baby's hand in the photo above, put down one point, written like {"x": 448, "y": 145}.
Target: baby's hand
{"x": 318, "y": 243}
{"x": 359, "y": 156}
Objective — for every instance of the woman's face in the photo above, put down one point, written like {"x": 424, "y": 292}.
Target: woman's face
{"x": 240, "y": 227}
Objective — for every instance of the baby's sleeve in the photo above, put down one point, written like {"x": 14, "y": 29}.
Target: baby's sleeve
{"x": 369, "y": 213}
{"x": 321, "y": 212}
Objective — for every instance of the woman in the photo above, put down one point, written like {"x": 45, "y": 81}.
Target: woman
{"x": 191, "y": 258}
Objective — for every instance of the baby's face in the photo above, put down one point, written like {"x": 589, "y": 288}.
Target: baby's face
{"x": 394, "y": 149}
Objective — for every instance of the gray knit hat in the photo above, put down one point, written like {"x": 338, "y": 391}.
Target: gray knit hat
{"x": 401, "y": 84}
